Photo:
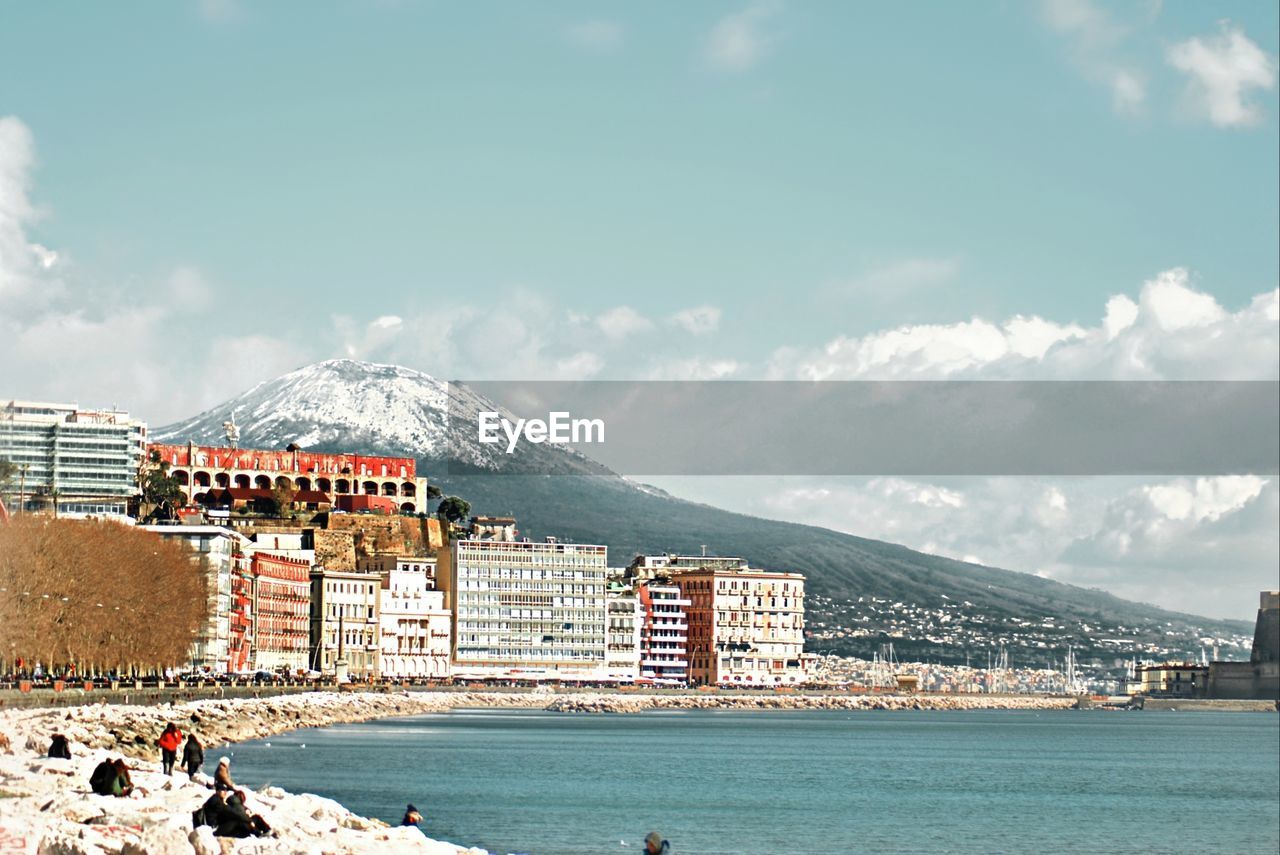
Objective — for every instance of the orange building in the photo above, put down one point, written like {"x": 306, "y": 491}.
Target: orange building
{"x": 202, "y": 470}
{"x": 746, "y": 626}
{"x": 282, "y": 611}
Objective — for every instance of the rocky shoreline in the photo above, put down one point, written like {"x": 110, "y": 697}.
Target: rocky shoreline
{"x": 46, "y": 807}
{"x": 625, "y": 703}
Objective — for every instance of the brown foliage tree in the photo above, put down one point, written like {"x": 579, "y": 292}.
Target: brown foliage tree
{"x": 97, "y": 595}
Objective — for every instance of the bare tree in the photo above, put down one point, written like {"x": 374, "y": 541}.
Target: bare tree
{"x": 97, "y": 596}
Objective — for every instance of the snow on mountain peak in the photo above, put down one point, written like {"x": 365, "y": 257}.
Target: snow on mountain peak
{"x": 344, "y": 402}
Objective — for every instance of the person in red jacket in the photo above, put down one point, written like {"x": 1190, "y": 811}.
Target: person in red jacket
{"x": 169, "y": 742}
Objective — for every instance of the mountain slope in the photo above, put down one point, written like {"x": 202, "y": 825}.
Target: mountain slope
{"x": 344, "y": 405}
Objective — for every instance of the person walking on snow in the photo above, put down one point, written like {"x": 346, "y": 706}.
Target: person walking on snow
{"x": 192, "y": 755}
{"x": 169, "y": 742}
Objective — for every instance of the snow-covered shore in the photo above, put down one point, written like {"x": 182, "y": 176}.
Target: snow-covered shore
{"x": 46, "y": 805}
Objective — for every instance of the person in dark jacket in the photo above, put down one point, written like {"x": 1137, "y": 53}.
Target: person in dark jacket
{"x": 59, "y": 747}
{"x": 103, "y": 776}
{"x": 411, "y": 817}
{"x": 169, "y": 742}
{"x": 192, "y": 755}
{"x": 240, "y": 822}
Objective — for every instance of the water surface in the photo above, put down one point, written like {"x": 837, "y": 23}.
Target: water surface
{"x": 813, "y": 781}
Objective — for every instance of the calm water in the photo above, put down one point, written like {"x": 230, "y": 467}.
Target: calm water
{"x": 812, "y": 782}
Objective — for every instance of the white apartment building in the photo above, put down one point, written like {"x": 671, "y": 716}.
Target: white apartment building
{"x": 622, "y": 636}
{"x": 664, "y": 631}
{"x": 526, "y": 610}
{"x": 345, "y": 628}
{"x": 219, "y": 552}
{"x": 78, "y": 462}
{"x": 415, "y": 625}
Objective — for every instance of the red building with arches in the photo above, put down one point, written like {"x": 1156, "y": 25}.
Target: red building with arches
{"x": 203, "y": 469}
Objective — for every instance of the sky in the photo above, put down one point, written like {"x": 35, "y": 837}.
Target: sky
{"x": 195, "y": 197}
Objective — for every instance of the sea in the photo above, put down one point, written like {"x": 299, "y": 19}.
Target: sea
{"x": 711, "y": 782}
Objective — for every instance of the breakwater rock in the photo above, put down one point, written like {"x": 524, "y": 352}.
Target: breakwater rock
{"x": 626, "y": 703}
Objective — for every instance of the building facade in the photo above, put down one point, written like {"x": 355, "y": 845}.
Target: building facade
{"x": 746, "y": 626}
{"x": 664, "y": 631}
{"x": 220, "y": 554}
{"x": 201, "y": 470}
{"x": 1169, "y": 680}
{"x": 72, "y": 461}
{"x": 383, "y": 564}
{"x": 345, "y": 631}
{"x": 282, "y": 611}
{"x": 1259, "y": 678}
{"x": 526, "y": 610}
{"x": 622, "y": 636}
{"x": 415, "y": 625}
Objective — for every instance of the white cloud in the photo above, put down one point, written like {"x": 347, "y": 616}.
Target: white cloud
{"x": 1171, "y": 332}
{"x": 597, "y": 35}
{"x": 1121, "y": 314}
{"x": 738, "y": 41}
{"x": 699, "y": 320}
{"x": 1094, "y": 41}
{"x": 1222, "y": 71}
{"x": 1205, "y": 498}
{"x": 694, "y": 368}
{"x": 621, "y": 322}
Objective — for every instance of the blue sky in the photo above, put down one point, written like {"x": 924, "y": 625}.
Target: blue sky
{"x": 197, "y": 196}
{"x": 307, "y": 153}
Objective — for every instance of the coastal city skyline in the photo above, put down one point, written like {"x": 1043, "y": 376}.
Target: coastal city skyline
{"x": 802, "y": 223}
{"x": 581, "y": 427}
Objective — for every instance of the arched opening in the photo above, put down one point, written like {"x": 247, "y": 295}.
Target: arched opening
{"x": 343, "y": 485}
{"x": 324, "y": 485}
{"x": 407, "y": 489}
{"x": 389, "y": 488}
{"x": 201, "y": 479}
{"x": 283, "y": 483}
{"x": 407, "y": 507}
{"x": 222, "y": 480}
{"x": 186, "y": 499}
{"x": 262, "y": 482}
{"x": 302, "y": 483}
{"x": 370, "y": 487}
{"x": 242, "y": 481}
{"x": 202, "y": 498}
{"x": 180, "y": 475}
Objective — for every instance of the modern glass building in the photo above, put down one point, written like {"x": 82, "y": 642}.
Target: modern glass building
{"x": 527, "y": 610}
{"x": 79, "y": 462}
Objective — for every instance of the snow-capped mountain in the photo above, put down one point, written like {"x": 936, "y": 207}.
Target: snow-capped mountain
{"x": 349, "y": 404}
{"x": 343, "y": 405}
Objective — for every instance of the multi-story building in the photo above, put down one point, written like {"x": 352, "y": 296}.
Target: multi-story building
{"x": 746, "y": 626}
{"x": 414, "y": 622}
{"x": 1170, "y": 680}
{"x": 220, "y": 554}
{"x": 526, "y": 610}
{"x": 202, "y": 470}
{"x": 345, "y": 635}
{"x": 622, "y": 639}
{"x": 281, "y": 609}
{"x": 77, "y": 462}
{"x": 664, "y": 630}
{"x": 384, "y": 564}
